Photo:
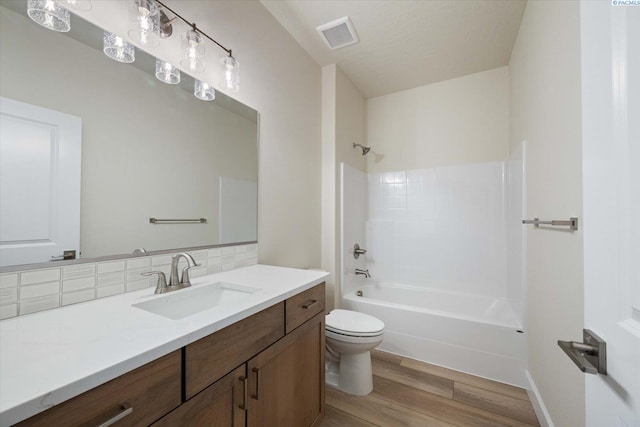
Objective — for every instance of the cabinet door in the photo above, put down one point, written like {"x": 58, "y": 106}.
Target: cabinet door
{"x": 286, "y": 381}
{"x": 222, "y": 404}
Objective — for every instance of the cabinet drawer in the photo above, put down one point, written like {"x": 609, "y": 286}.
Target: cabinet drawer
{"x": 139, "y": 397}
{"x": 304, "y": 306}
{"x": 210, "y": 358}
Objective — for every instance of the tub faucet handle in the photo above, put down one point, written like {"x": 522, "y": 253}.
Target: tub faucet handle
{"x": 357, "y": 251}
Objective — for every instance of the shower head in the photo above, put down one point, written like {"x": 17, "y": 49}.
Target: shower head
{"x": 365, "y": 150}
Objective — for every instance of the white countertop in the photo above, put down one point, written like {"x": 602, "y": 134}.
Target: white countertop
{"x": 51, "y": 356}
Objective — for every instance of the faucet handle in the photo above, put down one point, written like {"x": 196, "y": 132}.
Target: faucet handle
{"x": 161, "y": 286}
{"x": 184, "y": 278}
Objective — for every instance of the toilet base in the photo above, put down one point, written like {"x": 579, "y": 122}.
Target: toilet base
{"x": 352, "y": 374}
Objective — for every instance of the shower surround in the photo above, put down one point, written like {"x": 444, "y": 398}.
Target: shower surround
{"x": 445, "y": 252}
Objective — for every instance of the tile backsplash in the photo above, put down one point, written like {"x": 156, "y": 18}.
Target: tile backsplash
{"x": 30, "y": 291}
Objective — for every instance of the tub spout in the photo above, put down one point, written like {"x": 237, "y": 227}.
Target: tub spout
{"x": 365, "y": 273}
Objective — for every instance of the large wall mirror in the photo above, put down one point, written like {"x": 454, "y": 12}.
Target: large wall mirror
{"x": 139, "y": 149}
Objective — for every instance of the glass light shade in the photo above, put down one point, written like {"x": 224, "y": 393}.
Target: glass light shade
{"x": 204, "y": 91}
{"x": 144, "y": 22}
{"x": 231, "y": 73}
{"x": 49, "y": 14}
{"x": 77, "y": 4}
{"x": 115, "y": 47}
{"x": 166, "y": 72}
{"x": 192, "y": 52}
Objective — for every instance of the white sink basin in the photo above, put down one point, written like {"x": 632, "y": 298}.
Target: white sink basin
{"x": 189, "y": 301}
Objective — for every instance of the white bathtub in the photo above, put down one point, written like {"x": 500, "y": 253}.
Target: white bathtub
{"x": 474, "y": 334}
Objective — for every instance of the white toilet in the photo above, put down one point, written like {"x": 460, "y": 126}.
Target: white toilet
{"x": 350, "y": 336}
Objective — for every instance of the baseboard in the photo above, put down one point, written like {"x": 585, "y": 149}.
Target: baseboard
{"x": 538, "y": 405}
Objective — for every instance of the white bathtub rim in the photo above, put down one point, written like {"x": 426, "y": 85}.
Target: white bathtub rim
{"x": 353, "y": 297}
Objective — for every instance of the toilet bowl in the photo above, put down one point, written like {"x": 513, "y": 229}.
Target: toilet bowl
{"x": 350, "y": 337}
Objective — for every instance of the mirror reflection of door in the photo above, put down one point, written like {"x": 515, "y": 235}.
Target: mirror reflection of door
{"x": 40, "y": 165}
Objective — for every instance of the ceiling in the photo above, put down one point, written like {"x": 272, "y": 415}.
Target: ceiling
{"x": 406, "y": 44}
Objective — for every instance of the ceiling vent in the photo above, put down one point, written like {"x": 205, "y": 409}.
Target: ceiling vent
{"x": 338, "y": 33}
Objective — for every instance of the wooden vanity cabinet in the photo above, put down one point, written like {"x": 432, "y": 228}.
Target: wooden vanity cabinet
{"x": 263, "y": 371}
{"x": 136, "y": 398}
{"x": 220, "y": 405}
{"x": 286, "y": 381}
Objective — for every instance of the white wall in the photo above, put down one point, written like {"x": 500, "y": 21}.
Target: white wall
{"x": 281, "y": 81}
{"x": 343, "y": 123}
{"x": 546, "y": 112}
{"x": 463, "y": 120}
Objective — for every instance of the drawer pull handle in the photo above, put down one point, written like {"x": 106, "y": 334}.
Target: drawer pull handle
{"x": 310, "y": 304}
{"x": 125, "y": 409}
{"x": 257, "y": 372}
{"x": 245, "y": 393}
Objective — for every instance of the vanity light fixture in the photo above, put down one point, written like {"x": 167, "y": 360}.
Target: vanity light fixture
{"x": 77, "y": 4}
{"x": 49, "y": 14}
{"x": 192, "y": 51}
{"x": 117, "y": 48}
{"x": 204, "y": 91}
{"x": 144, "y": 22}
{"x": 167, "y": 73}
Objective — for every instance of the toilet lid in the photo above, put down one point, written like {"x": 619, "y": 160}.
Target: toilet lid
{"x": 347, "y": 322}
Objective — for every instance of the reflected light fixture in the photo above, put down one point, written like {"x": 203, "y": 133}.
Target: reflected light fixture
{"x": 192, "y": 51}
{"x": 115, "y": 47}
{"x": 77, "y": 4}
{"x": 49, "y": 14}
{"x": 144, "y": 22}
{"x": 231, "y": 73}
{"x": 166, "y": 72}
{"x": 203, "y": 91}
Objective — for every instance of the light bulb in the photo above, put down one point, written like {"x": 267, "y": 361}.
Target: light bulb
{"x": 204, "y": 91}
{"x": 117, "y": 48}
{"x": 144, "y": 22}
{"x": 167, "y": 73}
{"x": 192, "y": 51}
{"x": 49, "y": 14}
{"x": 231, "y": 73}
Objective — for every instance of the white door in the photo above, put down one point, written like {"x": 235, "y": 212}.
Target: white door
{"x": 40, "y": 155}
{"x": 611, "y": 179}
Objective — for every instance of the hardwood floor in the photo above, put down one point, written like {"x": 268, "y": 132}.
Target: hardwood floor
{"x": 407, "y": 392}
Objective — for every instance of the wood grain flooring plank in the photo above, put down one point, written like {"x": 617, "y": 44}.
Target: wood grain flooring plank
{"x": 413, "y": 378}
{"x": 495, "y": 386}
{"x": 334, "y": 417}
{"x": 447, "y": 410}
{"x": 381, "y": 412}
{"x": 495, "y": 402}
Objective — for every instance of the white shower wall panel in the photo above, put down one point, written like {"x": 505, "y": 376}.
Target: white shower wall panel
{"x": 441, "y": 228}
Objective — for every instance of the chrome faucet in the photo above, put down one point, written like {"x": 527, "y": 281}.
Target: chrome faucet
{"x": 365, "y": 273}
{"x": 174, "y": 282}
{"x": 184, "y": 278}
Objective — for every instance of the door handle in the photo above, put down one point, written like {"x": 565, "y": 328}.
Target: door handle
{"x": 245, "y": 393}
{"x": 256, "y": 394}
{"x": 590, "y": 355}
{"x": 65, "y": 256}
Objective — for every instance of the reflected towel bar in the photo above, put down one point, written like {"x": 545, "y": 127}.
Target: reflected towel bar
{"x": 177, "y": 221}
{"x": 572, "y": 223}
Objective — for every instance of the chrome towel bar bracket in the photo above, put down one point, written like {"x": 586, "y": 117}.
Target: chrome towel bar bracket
{"x": 572, "y": 223}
